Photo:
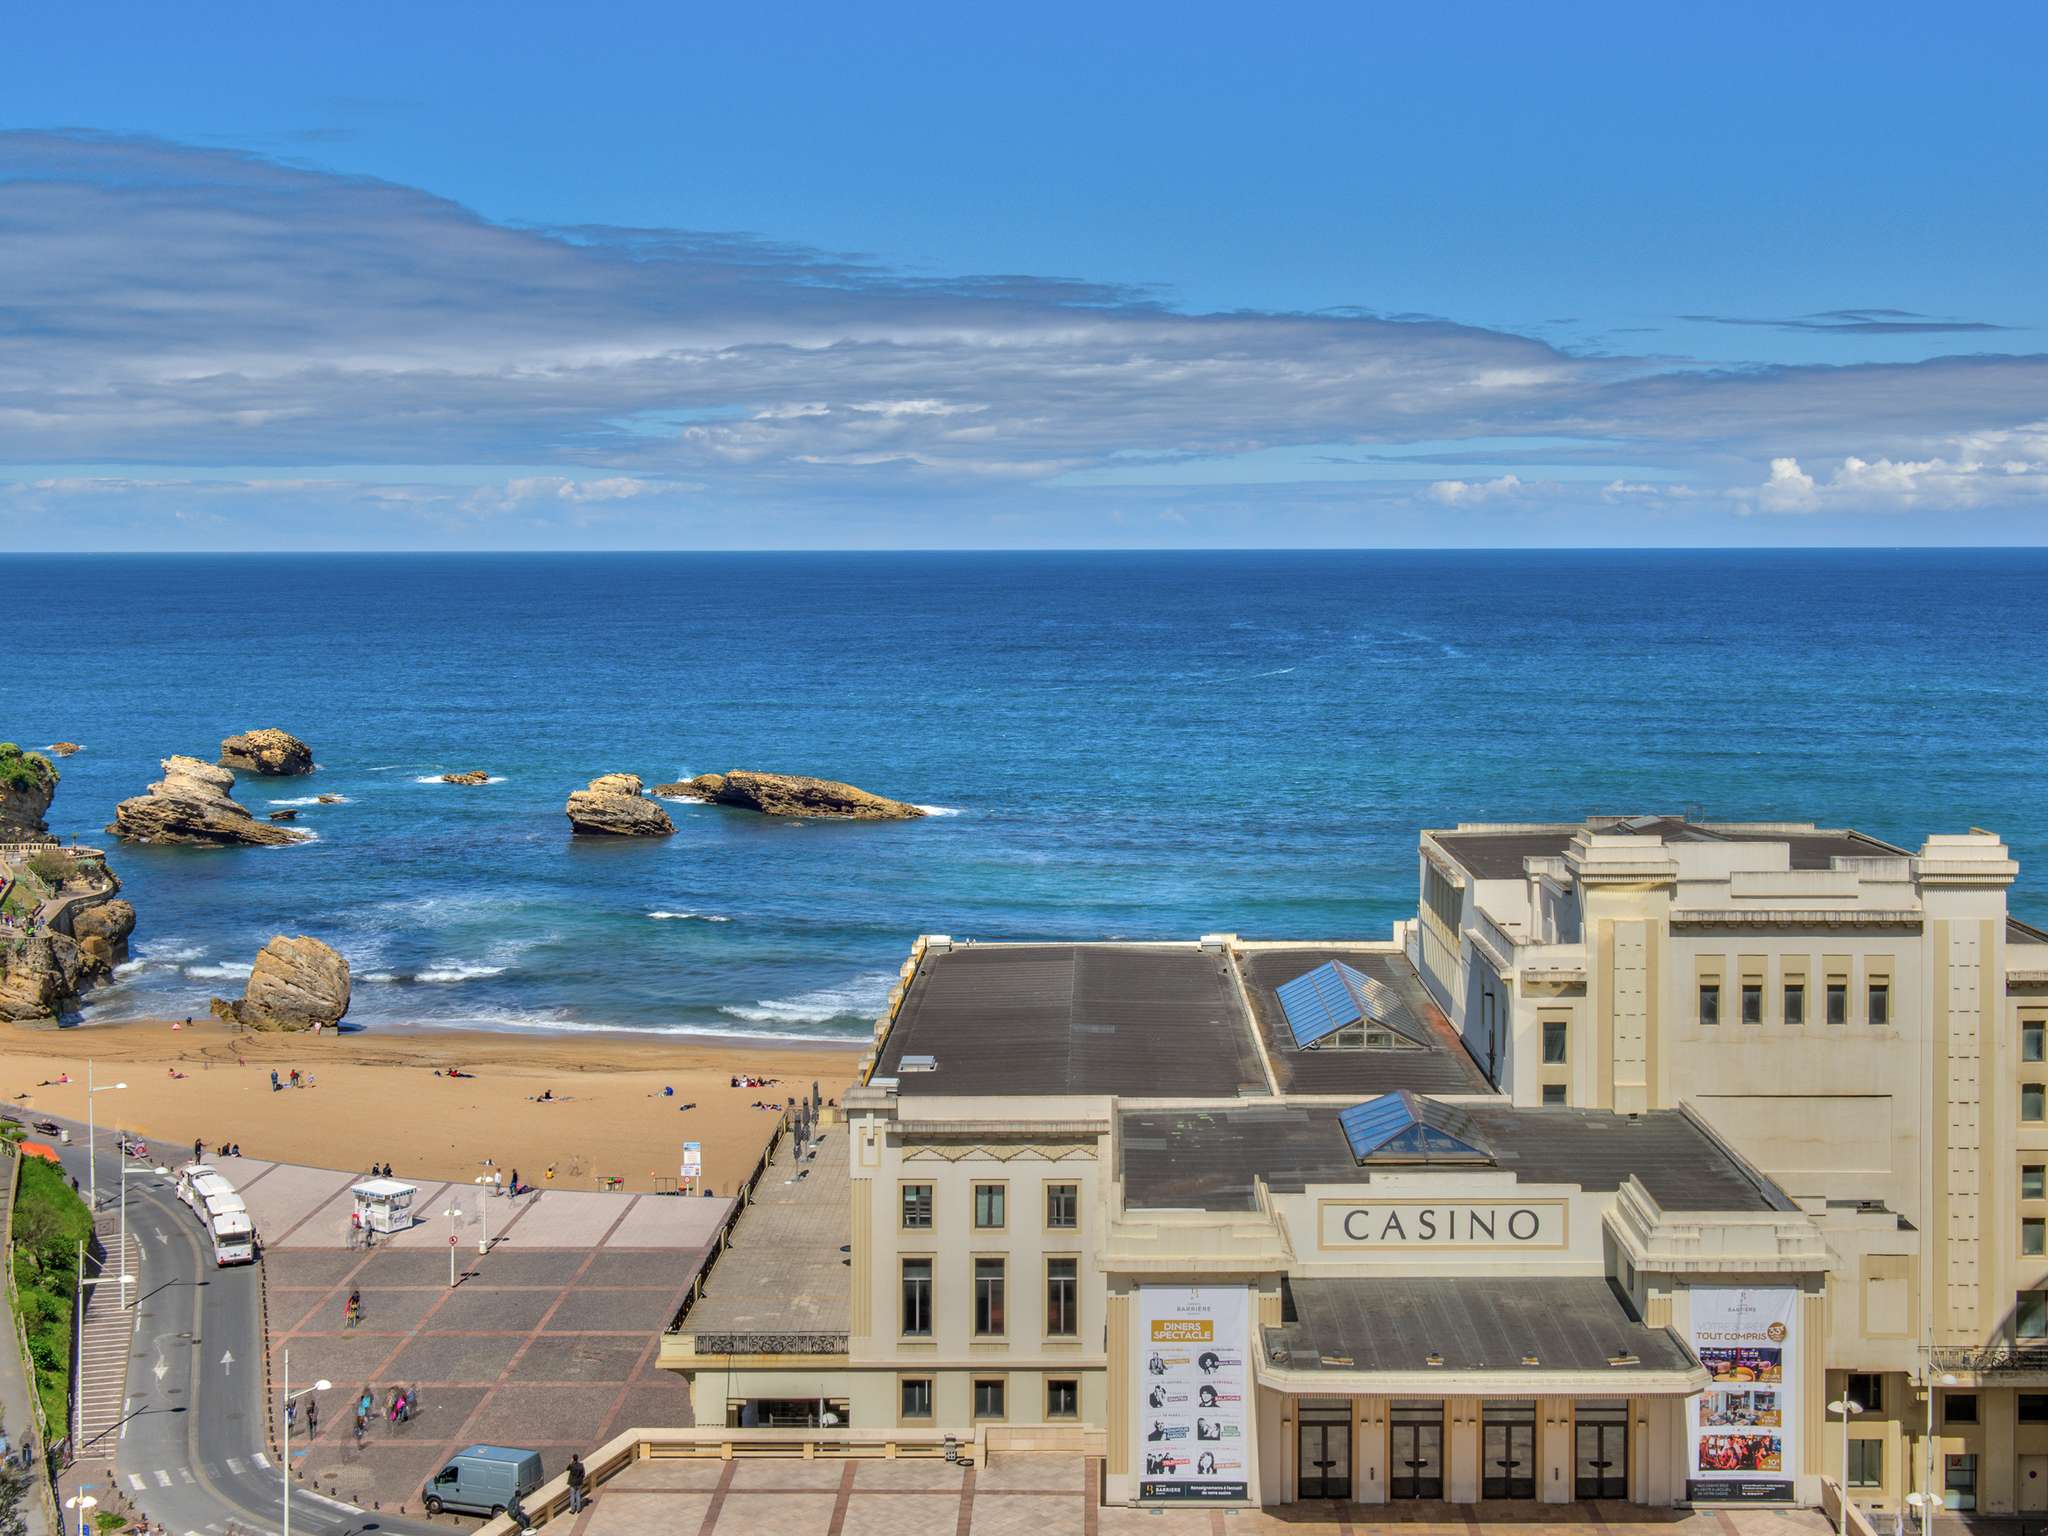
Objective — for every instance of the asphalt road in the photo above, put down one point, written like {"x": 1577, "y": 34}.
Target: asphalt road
{"x": 192, "y": 1451}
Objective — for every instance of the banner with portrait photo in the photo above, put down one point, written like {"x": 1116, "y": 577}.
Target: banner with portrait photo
{"x": 1194, "y": 1392}
{"x": 1741, "y": 1434}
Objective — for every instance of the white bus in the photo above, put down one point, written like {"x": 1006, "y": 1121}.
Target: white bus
{"x": 221, "y": 1212}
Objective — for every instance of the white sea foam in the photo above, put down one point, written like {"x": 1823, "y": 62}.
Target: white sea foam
{"x": 940, "y": 810}
{"x": 861, "y": 998}
{"x": 555, "y": 1024}
{"x": 171, "y": 952}
{"x": 684, "y": 799}
{"x": 689, "y": 917}
{"x": 225, "y": 970}
{"x": 450, "y": 971}
{"x": 311, "y": 800}
{"x": 380, "y": 976}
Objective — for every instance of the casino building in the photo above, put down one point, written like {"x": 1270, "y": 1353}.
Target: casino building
{"x": 1601, "y": 1178}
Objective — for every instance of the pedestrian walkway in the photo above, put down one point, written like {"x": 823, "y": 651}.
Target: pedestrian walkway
{"x": 15, "y": 1397}
{"x": 106, "y": 1340}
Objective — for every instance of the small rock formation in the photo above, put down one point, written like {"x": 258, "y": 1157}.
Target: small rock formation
{"x": 42, "y": 976}
{"x": 287, "y": 815}
{"x": 612, "y": 807}
{"x": 192, "y": 804}
{"x": 28, "y": 783}
{"x": 787, "y": 794}
{"x": 474, "y": 776}
{"x": 109, "y": 921}
{"x": 328, "y": 799}
{"x": 296, "y": 984}
{"x": 273, "y": 753}
{"x": 64, "y": 748}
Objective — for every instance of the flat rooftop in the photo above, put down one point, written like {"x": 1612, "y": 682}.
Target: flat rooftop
{"x": 1195, "y": 1159}
{"x": 1150, "y": 1021}
{"x": 1497, "y": 853}
{"x": 1443, "y": 1067}
{"x": 785, "y": 1270}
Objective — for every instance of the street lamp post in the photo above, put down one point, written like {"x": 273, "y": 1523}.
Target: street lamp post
{"x": 92, "y": 1177}
{"x": 127, "y": 1174}
{"x": 483, "y": 1244}
{"x": 85, "y": 1504}
{"x": 1935, "y": 1494}
{"x": 1848, "y": 1409}
{"x": 453, "y": 1212}
{"x": 291, "y": 1397}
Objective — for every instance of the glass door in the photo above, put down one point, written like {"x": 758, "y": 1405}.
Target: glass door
{"x": 1416, "y": 1468}
{"x": 1507, "y": 1449}
{"x": 1323, "y": 1470}
{"x": 1600, "y": 1450}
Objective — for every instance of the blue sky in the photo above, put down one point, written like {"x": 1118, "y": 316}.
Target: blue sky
{"x": 483, "y": 276}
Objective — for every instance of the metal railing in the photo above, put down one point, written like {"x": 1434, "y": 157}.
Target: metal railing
{"x": 743, "y": 1197}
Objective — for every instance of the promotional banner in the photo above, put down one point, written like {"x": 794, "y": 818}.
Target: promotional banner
{"x": 1194, "y": 1392}
{"x": 1742, "y": 1435}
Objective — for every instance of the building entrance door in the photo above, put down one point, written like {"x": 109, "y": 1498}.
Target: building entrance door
{"x": 1600, "y": 1450}
{"x": 1415, "y": 1469}
{"x": 1323, "y": 1467}
{"x": 1507, "y": 1450}
{"x": 2033, "y": 1498}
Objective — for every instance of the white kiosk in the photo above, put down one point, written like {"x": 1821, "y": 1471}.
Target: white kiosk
{"x": 383, "y": 1205}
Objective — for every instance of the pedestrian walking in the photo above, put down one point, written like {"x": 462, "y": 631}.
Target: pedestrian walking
{"x": 352, "y": 1311}
{"x": 312, "y": 1418}
{"x": 576, "y": 1479}
{"x": 198, "y": 1150}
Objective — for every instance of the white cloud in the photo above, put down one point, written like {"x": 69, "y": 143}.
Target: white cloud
{"x": 1977, "y": 469}
{"x": 1467, "y": 493}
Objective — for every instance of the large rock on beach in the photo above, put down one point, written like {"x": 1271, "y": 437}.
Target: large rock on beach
{"x": 296, "y": 984}
{"x": 613, "y": 807}
{"x": 111, "y": 921}
{"x": 28, "y": 783}
{"x": 273, "y": 753}
{"x": 192, "y": 804}
{"x": 789, "y": 794}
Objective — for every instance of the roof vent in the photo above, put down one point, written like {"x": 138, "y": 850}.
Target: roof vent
{"x": 1624, "y": 1356}
{"x": 1530, "y": 1360}
{"x": 918, "y": 1064}
{"x": 1433, "y": 1358}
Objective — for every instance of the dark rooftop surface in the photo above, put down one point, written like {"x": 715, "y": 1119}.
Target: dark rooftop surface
{"x": 1206, "y": 1159}
{"x": 1477, "y": 1323}
{"x": 1444, "y": 1067}
{"x": 2017, "y": 932}
{"x": 1074, "y": 1019}
{"x": 1499, "y": 855}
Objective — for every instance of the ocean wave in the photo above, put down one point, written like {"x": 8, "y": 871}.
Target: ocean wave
{"x": 450, "y": 971}
{"x": 380, "y": 976}
{"x": 332, "y": 799}
{"x": 939, "y": 810}
{"x": 693, "y": 917}
{"x": 861, "y": 998}
{"x": 556, "y": 1024}
{"x": 684, "y": 799}
{"x": 168, "y": 952}
{"x": 224, "y": 971}
{"x": 435, "y": 778}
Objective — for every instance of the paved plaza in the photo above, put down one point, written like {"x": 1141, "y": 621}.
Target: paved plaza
{"x": 547, "y": 1342}
{"x": 1045, "y": 1495}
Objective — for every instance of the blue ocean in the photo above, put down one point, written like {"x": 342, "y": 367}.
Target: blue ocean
{"x": 1138, "y": 745}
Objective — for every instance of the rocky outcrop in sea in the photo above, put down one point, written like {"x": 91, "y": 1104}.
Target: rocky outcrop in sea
{"x": 787, "y": 794}
{"x": 270, "y": 752}
{"x": 296, "y": 984}
{"x": 193, "y": 803}
{"x": 474, "y": 776}
{"x": 613, "y": 807}
{"x": 28, "y": 783}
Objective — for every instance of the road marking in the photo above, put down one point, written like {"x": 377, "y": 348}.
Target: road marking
{"x": 259, "y": 1458}
{"x": 186, "y": 1474}
{"x": 163, "y": 1478}
{"x": 227, "y": 1361}
{"x": 235, "y": 1465}
{"x": 135, "y": 1481}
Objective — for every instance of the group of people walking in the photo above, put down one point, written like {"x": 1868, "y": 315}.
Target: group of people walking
{"x": 398, "y": 1408}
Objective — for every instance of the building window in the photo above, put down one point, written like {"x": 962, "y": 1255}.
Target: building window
{"x": 1554, "y": 1042}
{"x": 2033, "y": 1236}
{"x": 1959, "y": 1481}
{"x": 1553, "y": 1095}
{"x": 1795, "y": 1002}
{"x": 917, "y": 1207}
{"x": 1062, "y": 1398}
{"x": 917, "y": 1298}
{"x": 1959, "y": 1408}
{"x": 1866, "y": 1389}
{"x": 988, "y": 1397}
{"x": 917, "y": 1398}
{"x": 2033, "y": 1041}
{"x": 2034, "y": 1181}
{"x": 1866, "y": 1463}
{"x": 1838, "y": 1002}
{"x": 1752, "y": 1002}
{"x": 2033, "y": 1408}
{"x": 2033, "y": 1102}
{"x": 1710, "y": 1002}
{"x": 1062, "y": 1207}
{"x": 2030, "y": 1317}
{"x": 1062, "y": 1298}
{"x": 988, "y": 1297}
{"x": 1880, "y": 1001}
{"x": 990, "y": 1205}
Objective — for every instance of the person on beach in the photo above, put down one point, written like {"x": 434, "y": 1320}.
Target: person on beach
{"x": 198, "y": 1150}
{"x": 274, "y": 1084}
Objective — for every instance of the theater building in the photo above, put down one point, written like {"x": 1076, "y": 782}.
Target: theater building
{"x": 1511, "y": 1205}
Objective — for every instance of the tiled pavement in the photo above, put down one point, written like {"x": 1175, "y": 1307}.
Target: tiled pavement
{"x": 547, "y": 1342}
{"x": 1039, "y": 1495}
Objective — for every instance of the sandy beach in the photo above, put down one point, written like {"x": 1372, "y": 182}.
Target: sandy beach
{"x": 375, "y": 1097}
